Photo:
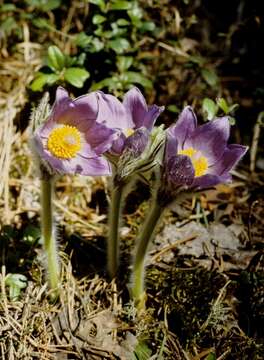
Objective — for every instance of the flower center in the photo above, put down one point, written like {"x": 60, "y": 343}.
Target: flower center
{"x": 64, "y": 142}
{"x": 200, "y": 163}
{"x": 128, "y": 132}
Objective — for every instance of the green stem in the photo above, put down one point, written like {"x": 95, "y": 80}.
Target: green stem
{"x": 144, "y": 239}
{"x": 48, "y": 231}
{"x": 114, "y": 222}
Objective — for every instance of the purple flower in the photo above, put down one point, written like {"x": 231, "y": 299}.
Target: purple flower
{"x": 72, "y": 139}
{"x": 199, "y": 156}
{"x": 132, "y": 119}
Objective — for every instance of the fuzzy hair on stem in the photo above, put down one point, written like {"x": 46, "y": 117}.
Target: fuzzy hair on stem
{"x": 49, "y": 232}
{"x": 138, "y": 272}
{"x": 119, "y": 192}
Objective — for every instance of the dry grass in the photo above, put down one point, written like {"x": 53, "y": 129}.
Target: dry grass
{"x": 82, "y": 325}
{"x": 16, "y": 73}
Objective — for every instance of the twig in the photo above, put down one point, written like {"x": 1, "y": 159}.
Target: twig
{"x": 255, "y": 140}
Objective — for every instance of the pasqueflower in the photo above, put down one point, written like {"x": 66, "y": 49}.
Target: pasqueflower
{"x": 199, "y": 156}
{"x": 195, "y": 157}
{"x": 72, "y": 138}
{"x": 133, "y": 119}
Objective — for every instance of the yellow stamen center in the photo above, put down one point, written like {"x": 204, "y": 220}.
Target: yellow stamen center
{"x": 64, "y": 142}
{"x": 128, "y": 132}
{"x": 200, "y": 163}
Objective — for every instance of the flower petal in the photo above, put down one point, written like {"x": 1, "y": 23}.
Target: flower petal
{"x": 208, "y": 180}
{"x": 100, "y": 138}
{"x": 97, "y": 166}
{"x": 137, "y": 142}
{"x": 211, "y": 139}
{"x": 232, "y": 154}
{"x": 80, "y": 112}
{"x": 171, "y": 143}
{"x": 118, "y": 144}
{"x": 179, "y": 171}
{"x": 136, "y": 105}
{"x": 112, "y": 112}
{"x": 185, "y": 126}
{"x": 151, "y": 116}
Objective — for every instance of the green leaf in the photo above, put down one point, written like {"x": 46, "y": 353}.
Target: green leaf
{"x": 31, "y": 234}
{"x": 210, "y": 77}
{"x": 211, "y": 356}
{"x": 119, "y": 45}
{"x": 124, "y": 62}
{"x": 76, "y": 76}
{"x": 56, "y": 59}
{"x": 41, "y": 23}
{"x": 210, "y": 108}
{"x": 98, "y": 45}
{"x": 8, "y": 25}
{"x": 43, "y": 79}
{"x": 83, "y": 40}
{"x": 223, "y": 105}
{"x": 15, "y": 282}
{"x": 135, "y": 15}
{"x": 137, "y": 78}
{"x": 100, "y": 3}
{"x": 232, "y": 120}
{"x": 122, "y": 22}
{"x": 233, "y": 107}
{"x": 49, "y": 5}
{"x": 98, "y": 19}
{"x": 109, "y": 83}
{"x": 121, "y": 5}
{"x": 197, "y": 59}
{"x": 7, "y": 7}
{"x": 147, "y": 26}
{"x": 44, "y": 5}
{"x": 173, "y": 109}
{"x": 142, "y": 352}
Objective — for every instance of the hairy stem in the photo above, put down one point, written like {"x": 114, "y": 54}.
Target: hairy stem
{"x": 143, "y": 241}
{"x": 48, "y": 231}
{"x": 117, "y": 196}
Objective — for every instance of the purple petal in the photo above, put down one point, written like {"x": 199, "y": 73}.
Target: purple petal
{"x": 112, "y": 112}
{"x": 185, "y": 126}
{"x": 137, "y": 142}
{"x": 208, "y": 180}
{"x": 171, "y": 144}
{"x": 230, "y": 157}
{"x": 55, "y": 163}
{"x": 179, "y": 171}
{"x": 118, "y": 144}
{"x": 61, "y": 95}
{"x": 100, "y": 138}
{"x": 136, "y": 105}
{"x": 97, "y": 166}
{"x": 151, "y": 116}
{"x": 211, "y": 139}
{"x": 81, "y": 112}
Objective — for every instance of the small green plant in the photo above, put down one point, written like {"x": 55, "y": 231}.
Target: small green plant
{"x": 15, "y": 283}
{"x": 62, "y": 69}
{"x": 44, "y": 5}
{"x": 213, "y": 108}
{"x": 113, "y": 35}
